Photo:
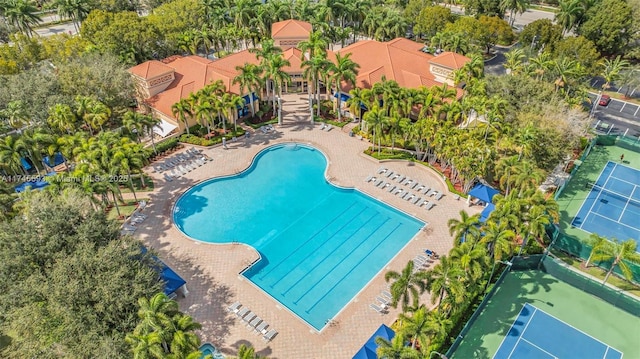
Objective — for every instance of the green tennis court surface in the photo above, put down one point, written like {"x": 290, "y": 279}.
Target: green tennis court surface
{"x": 536, "y": 334}
{"x": 585, "y": 313}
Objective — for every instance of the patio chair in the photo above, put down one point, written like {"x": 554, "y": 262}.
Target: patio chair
{"x": 167, "y": 178}
{"x": 420, "y": 188}
{"x": 379, "y": 183}
{"x": 328, "y": 128}
{"x": 384, "y": 301}
{"x": 410, "y": 197}
{"x": 396, "y": 176}
{"x": 376, "y": 308}
{"x": 418, "y": 199}
{"x": 414, "y": 185}
{"x": 391, "y": 189}
{"x": 322, "y": 126}
{"x": 430, "y": 205}
{"x": 404, "y": 195}
{"x": 235, "y": 307}
{"x": 399, "y": 192}
{"x": 249, "y": 317}
{"x": 439, "y": 196}
{"x": 408, "y": 182}
{"x": 382, "y": 170}
{"x": 368, "y": 179}
{"x": 270, "y": 335}
{"x": 433, "y": 193}
{"x": 254, "y": 323}
{"x": 424, "y": 203}
{"x": 261, "y": 328}
{"x": 426, "y": 189}
{"x": 242, "y": 312}
{"x": 389, "y": 174}
{"x": 386, "y": 293}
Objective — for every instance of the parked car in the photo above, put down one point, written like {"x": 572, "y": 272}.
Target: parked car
{"x": 604, "y": 100}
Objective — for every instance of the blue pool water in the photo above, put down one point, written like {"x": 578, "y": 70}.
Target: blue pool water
{"x": 209, "y": 349}
{"x": 320, "y": 244}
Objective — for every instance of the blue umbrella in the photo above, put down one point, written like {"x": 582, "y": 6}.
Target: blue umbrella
{"x": 366, "y": 353}
{"x": 483, "y": 192}
{"x": 383, "y": 332}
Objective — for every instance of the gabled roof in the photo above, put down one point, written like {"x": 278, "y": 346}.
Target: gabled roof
{"x": 450, "y": 60}
{"x": 150, "y": 69}
{"x": 290, "y": 28}
{"x": 294, "y": 55}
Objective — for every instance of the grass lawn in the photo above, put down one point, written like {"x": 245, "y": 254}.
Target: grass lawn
{"x": 125, "y": 209}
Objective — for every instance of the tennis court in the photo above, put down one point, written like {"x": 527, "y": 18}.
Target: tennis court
{"x": 612, "y": 206}
{"x": 537, "y": 334}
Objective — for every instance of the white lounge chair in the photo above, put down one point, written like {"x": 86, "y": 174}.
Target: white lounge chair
{"x": 254, "y": 323}
{"x": 270, "y": 335}
{"x": 262, "y": 328}
{"x": 414, "y": 185}
{"x": 379, "y": 183}
{"x": 376, "y": 308}
{"x": 389, "y": 174}
{"x": 167, "y": 178}
{"x": 328, "y": 128}
{"x": 418, "y": 199}
{"x": 391, "y": 189}
{"x": 387, "y": 294}
{"x": 381, "y": 170}
{"x": 430, "y": 205}
{"x": 234, "y": 308}
{"x": 439, "y": 196}
{"x": 242, "y": 312}
{"x": 249, "y": 317}
{"x": 322, "y": 126}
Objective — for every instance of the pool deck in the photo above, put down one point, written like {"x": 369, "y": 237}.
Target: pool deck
{"x": 212, "y": 270}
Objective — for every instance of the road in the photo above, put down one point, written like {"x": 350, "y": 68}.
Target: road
{"x": 521, "y": 20}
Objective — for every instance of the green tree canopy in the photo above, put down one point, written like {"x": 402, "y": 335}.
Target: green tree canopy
{"x": 579, "y": 49}
{"x": 608, "y": 26}
{"x": 546, "y": 34}
{"x": 431, "y": 20}
{"x": 69, "y": 280}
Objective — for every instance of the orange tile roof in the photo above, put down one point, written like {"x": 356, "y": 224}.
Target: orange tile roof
{"x": 290, "y": 28}
{"x": 400, "y": 59}
{"x": 450, "y": 60}
{"x": 294, "y": 55}
{"x": 150, "y": 69}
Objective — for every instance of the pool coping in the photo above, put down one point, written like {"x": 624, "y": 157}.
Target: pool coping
{"x": 241, "y": 275}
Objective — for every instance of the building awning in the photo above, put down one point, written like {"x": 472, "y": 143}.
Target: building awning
{"x": 248, "y": 100}
{"x": 486, "y": 212}
{"x": 26, "y": 165}
{"x": 343, "y": 96}
{"x": 57, "y": 160}
{"x": 164, "y": 128}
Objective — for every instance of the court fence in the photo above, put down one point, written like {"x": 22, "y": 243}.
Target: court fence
{"x": 561, "y": 271}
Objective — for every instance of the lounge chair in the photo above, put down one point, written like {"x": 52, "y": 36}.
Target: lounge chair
{"x": 174, "y": 173}
{"x": 270, "y": 335}
{"x": 270, "y": 127}
{"x": 368, "y": 179}
{"x": 167, "y": 178}
{"x": 404, "y": 195}
{"x": 254, "y": 323}
{"x": 235, "y": 307}
{"x": 408, "y": 182}
{"x": 387, "y": 294}
{"x": 328, "y": 128}
{"x": 376, "y": 308}
{"x": 261, "y": 328}
{"x": 429, "y": 252}
{"x": 242, "y": 312}
{"x": 410, "y": 197}
{"x": 391, "y": 189}
{"x": 414, "y": 185}
{"x": 424, "y": 203}
{"x": 430, "y": 205}
{"x": 439, "y": 196}
{"x": 426, "y": 190}
{"x": 402, "y": 178}
{"x": 389, "y": 174}
{"x": 382, "y": 170}
{"x": 399, "y": 192}
{"x": 396, "y": 176}
{"x": 249, "y": 317}
{"x": 456, "y": 197}
{"x": 420, "y": 188}
{"x": 129, "y": 227}
{"x": 433, "y": 193}
{"x": 418, "y": 199}
{"x": 384, "y": 301}
{"x": 322, "y": 126}
{"x": 379, "y": 183}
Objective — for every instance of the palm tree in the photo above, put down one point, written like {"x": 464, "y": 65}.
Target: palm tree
{"x": 443, "y": 279}
{"x": 519, "y": 6}
{"x": 498, "y": 238}
{"x": 263, "y": 53}
{"x": 471, "y": 258}
{"x": 506, "y": 172}
{"x": 127, "y": 157}
{"x": 564, "y": 69}
{"x": 184, "y": 343}
{"x": 232, "y": 102}
{"x": 440, "y": 325}
{"x": 275, "y": 65}
{"x": 312, "y": 69}
{"x": 464, "y": 229}
{"x": 182, "y": 111}
{"x": 416, "y": 326}
{"x": 247, "y": 352}
{"x": 63, "y": 118}
{"x": 541, "y": 64}
{"x": 378, "y": 121}
{"x": 569, "y": 14}
{"x": 315, "y": 44}
{"x": 145, "y": 346}
{"x": 10, "y": 154}
{"x": 618, "y": 253}
{"x": 156, "y": 316}
{"x": 76, "y": 10}
{"x": 395, "y": 349}
{"x": 611, "y": 70}
{"x": 16, "y": 114}
{"x": 249, "y": 79}
{"x": 514, "y": 61}
{"x": 596, "y": 243}
{"x": 406, "y": 287}
{"x": 23, "y": 14}
{"x": 344, "y": 70}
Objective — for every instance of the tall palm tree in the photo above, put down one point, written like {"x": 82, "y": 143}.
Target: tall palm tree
{"x": 506, "y": 172}
{"x": 63, "y": 118}
{"x": 395, "y": 349}
{"x": 125, "y": 158}
{"x": 513, "y": 6}
{"x": 204, "y": 112}
{"x": 471, "y": 258}
{"x": 11, "y": 148}
{"x": 182, "y": 111}
{"x": 378, "y": 121}
{"x": 343, "y": 70}
{"x": 15, "y": 114}
{"x": 184, "y": 343}
{"x": 232, "y": 103}
{"x": 315, "y": 44}
{"x": 515, "y": 61}
{"x": 618, "y": 253}
{"x": 247, "y": 352}
{"x": 249, "y": 79}
{"x": 275, "y": 66}
{"x": 611, "y": 70}
{"x": 569, "y": 14}
{"x": 263, "y": 53}
{"x": 312, "y": 70}
{"x": 595, "y": 242}
{"x": 23, "y": 14}
{"x": 416, "y": 326}
{"x": 145, "y": 346}
{"x": 443, "y": 279}
{"x": 76, "y": 10}
{"x": 406, "y": 287}
{"x": 465, "y": 228}
{"x": 498, "y": 238}
{"x": 155, "y": 316}
{"x": 541, "y": 64}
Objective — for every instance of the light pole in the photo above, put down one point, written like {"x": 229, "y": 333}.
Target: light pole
{"x": 595, "y": 104}
{"x": 442, "y": 356}
{"x": 493, "y": 269}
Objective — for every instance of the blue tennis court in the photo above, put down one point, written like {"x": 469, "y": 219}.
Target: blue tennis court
{"x": 612, "y": 207}
{"x": 538, "y": 335}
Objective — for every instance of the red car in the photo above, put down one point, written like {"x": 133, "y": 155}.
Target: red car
{"x": 604, "y": 100}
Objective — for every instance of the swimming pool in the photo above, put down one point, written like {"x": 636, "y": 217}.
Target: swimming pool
{"x": 209, "y": 349}
{"x": 319, "y": 244}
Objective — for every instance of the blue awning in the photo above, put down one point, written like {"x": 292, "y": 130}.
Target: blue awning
{"x": 248, "y": 100}
{"x": 57, "y": 160}
{"x": 486, "y": 212}
{"x": 369, "y": 349}
{"x": 343, "y": 96}
{"x": 38, "y": 183}
{"x": 26, "y": 165}
{"x": 483, "y": 192}
{"x": 172, "y": 280}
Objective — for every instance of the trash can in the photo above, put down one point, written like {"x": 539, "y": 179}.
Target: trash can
{"x": 351, "y": 134}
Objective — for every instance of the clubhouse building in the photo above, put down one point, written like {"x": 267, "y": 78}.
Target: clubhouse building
{"x": 161, "y": 84}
